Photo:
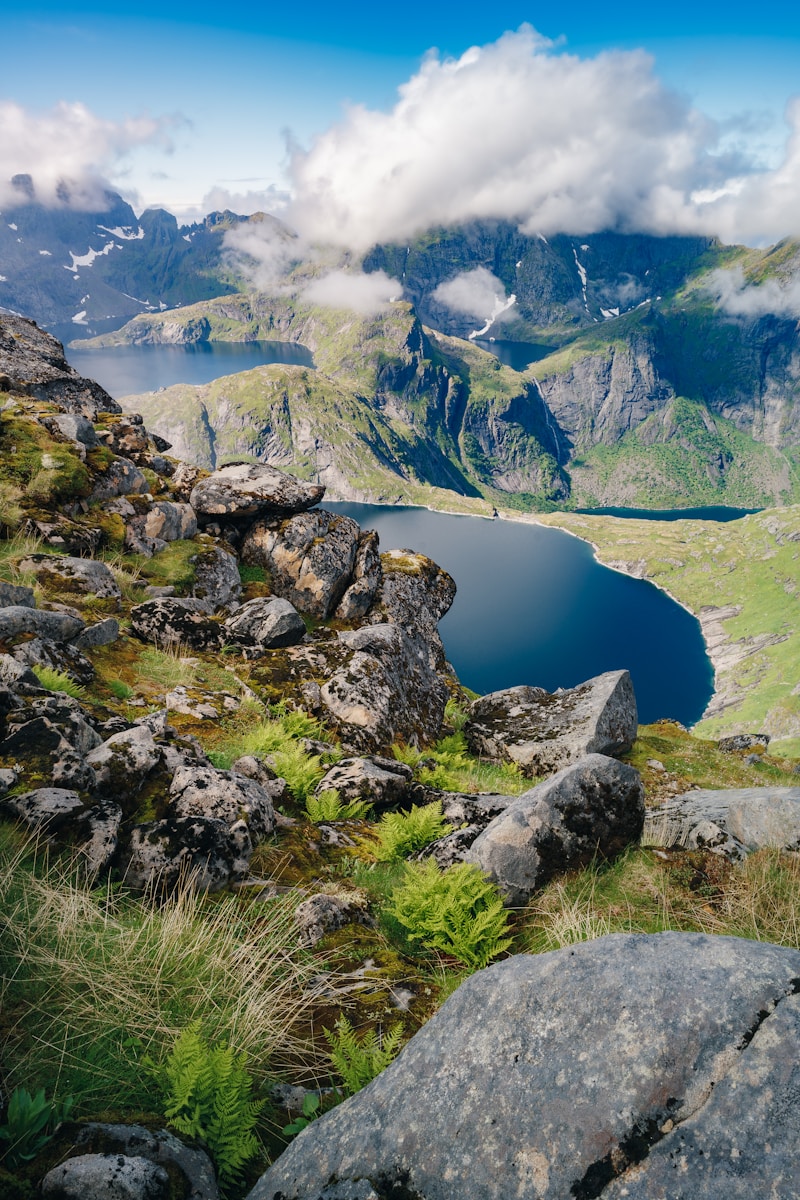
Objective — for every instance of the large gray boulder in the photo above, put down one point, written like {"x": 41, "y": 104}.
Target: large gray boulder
{"x": 64, "y": 573}
{"x": 386, "y": 692}
{"x": 162, "y": 853}
{"x": 190, "y": 1164}
{"x": 106, "y": 1177}
{"x": 415, "y": 593}
{"x": 225, "y": 796}
{"x": 732, "y": 822}
{"x": 17, "y": 619}
{"x": 268, "y": 622}
{"x": 543, "y": 731}
{"x": 123, "y": 761}
{"x": 241, "y": 490}
{"x": 382, "y": 782}
{"x": 310, "y": 557}
{"x": 170, "y": 621}
{"x": 661, "y": 1067}
{"x": 593, "y": 807}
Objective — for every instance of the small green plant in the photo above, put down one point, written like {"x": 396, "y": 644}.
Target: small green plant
{"x": 59, "y": 681}
{"x": 119, "y": 688}
{"x": 457, "y": 911}
{"x": 400, "y": 834}
{"x": 360, "y": 1057}
{"x": 251, "y": 573}
{"x": 328, "y": 806}
{"x": 207, "y": 1094}
{"x": 30, "y": 1123}
{"x": 312, "y": 1108}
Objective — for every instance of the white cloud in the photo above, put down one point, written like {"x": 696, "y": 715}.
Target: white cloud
{"x": 269, "y": 200}
{"x": 69, "y": 144}
{"x": 475, "y": 293}
{"x": 735, "y": 296}
{"x": 522, "y": 130}
{"x": 264, "y": 252}
{"x": 364, "y": 294}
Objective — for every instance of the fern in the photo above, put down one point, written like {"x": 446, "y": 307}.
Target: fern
{"x": 457, "y": 911}
{"x": 328, "y": 806}
{"x": 360, "y": 1057}
{"x": 400, "y": 834}
{"x": 207, "y": 1095}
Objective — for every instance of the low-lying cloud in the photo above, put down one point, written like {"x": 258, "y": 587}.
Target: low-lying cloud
{"x": 355, "y": 291}
{"x": 70, "y": 145}
{"x": 475, "y": 293}
{"x": 734, "y": 295}
{"x": 522, "y": 130}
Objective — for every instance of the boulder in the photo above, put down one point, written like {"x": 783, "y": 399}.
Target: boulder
{"x": 18, "y": 619}
{"x": 162, "y": 853}
{"x": 323, "y": 914}
{"x": 310, "y": 558}
{"x": 244, "y": 490}
{"x": 164, "y": 521}
{"x": 44, "y": 809}
{"x": 543, "y": 731}
{"x": 13, "y": 594}
{"x": 415, "y": 593}
{"x": 59, "y": 656}
{"x": 382, "y": 782}
{"x": 225, "y": 796}
{"x": 63, "y": 573}
{"x": 661, "y": 1067}
{"x": 268, "y": 622}
{"x": 171, "y": 621}
{"x": 593, "y": 807}
{"x": 106, "y": 1177}
{"x": 386, "y": 692}
{"x": 121, "y": 478}
{"x": 95, "y": 835}
{"x": 75, "y": 428}
{"x": 216, "y": 578}
{"x": 366, "y": 579}
{"x": 739, "y": 742}
{"x": 199, "y": 704}
{"x": 191, "y": 1164}
{"x": 732, "y": 822}
{"x": 123, "y": 761}
{"x": 102, "y": 633}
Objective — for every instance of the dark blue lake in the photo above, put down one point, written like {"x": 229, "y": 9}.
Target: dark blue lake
{"x": 713, "y": 512}
{"x": 534, "y": 606}
{"x": 128, "y": 370}
{"x": 518, "y": 355}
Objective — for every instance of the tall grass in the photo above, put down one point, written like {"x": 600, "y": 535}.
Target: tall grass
{"x": 94, "y": 980}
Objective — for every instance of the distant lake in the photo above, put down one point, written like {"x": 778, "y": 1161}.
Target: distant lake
{"x": 714, "y": 512}
{"x": 128, "y": 370}
{"x": 534, "y": 606}
{"x": 518, "y": 355}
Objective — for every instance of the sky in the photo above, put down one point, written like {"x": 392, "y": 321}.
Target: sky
{"x": 363, "y": 123}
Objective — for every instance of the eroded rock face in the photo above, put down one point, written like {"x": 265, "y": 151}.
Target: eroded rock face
{"x": 169, "y": 621}
{"x": 593, "y": 807}
{"x": 732, "y": 822}
{"x": 32, "y": 363}
{"x": 241, "y": 490}
{"x": 543, "y": 731}
{"x": 386, "y": 692}
{"x": 269, "y": 622}
{"x": 547, "y": 1076}
{"x": 310, "y": 557}
{"x": 366, "y": 579}
{"x": 415, "y": 593}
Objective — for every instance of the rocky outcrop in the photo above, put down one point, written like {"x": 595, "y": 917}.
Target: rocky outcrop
{"x": 245, "y": 490}
{"x": 543, "y": 731}
{"x": 536, "y": 1079}
{"x": 381, "y": 782}
{"x": 595, "y": 807}
{"x": 73, "y": 574}
{"x": 32, "y": 363}
{"x": 168, "y": 621}
{"x": 733, "y": 822}
{"x": 310, "y": 558}
{"x": 267, "y": 623}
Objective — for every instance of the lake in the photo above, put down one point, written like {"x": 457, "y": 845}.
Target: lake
{"x": 534, "y": 606}
{"x": 129, "y": 370}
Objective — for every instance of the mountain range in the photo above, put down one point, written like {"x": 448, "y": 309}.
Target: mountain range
{"x": 661, "y": 371}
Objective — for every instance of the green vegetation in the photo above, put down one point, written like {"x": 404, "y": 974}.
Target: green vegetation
{"x": 30, "y": 1124}
{"x": 360, "y": 1057}
{"x": 400, "y": 834}
{"x": 328, "y": 806}
{"x": 457, "y": 912}
{"x": 59, "y": 681}
{"x": 206, "y": 1093}
{"x": 448, "y": 765}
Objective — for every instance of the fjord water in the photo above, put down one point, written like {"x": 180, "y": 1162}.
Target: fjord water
{"x": 534, "y": 606}
{"x": 129, "y": 370}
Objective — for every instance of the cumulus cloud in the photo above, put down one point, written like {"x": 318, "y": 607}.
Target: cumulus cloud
{"x": 70, "y": 145}
{"x": 521, "y": 129}
{"x": 269, "y": 200}
{"x": 365, "y": 294}
{"x": 264, "y": 252}
{"x": 735, "y": 296}
{"x": 475, "y": 293}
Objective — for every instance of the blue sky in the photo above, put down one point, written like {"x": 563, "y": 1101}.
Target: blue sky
{"x": 224, "y": 84}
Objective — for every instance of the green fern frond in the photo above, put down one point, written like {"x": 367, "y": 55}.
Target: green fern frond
{"x": 328, "y": 806}
{"x": 359, "y": 1058}
{"x": 400, "y": 834}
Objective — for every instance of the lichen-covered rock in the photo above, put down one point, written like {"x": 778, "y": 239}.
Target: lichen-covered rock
{"x": 544, "y": 731}
{"x": 269, "y": 622}
{"x": 659, "y": 1067}
{"x": 730, "y": 821}
{"x": 386, "y": 691}
{"x": 102, "y": 633}
{"x": 225, "y": 796}
{"x": 161, "y": 853}
{"x": 241, "y": 490}
{"x": 739, "y": 742}
{"x": 13, "y": 594}
{"x": 382, "y": 782}
{"x": 200, "y": 704}
{"x": 66, "y": 574}
{"x": 123, "y": 761}
{"x": 121, "y": 478}
{"x": 216, "y": 578}
{"x": 106, "y": 1177}
{"x": 172, "y": 621}
{"x": 18, "y": 619}
{"x": 323, "y": 914}
{"x": 32, "y": 363}
{"x": 58, "y": 656}
{"x": 44, "y": 809}
{"x": 164, "y": 521}
{"x": 366, "y": 579}
{"x": 94, "y": 835}
{"x": 191, "y": 1164}
{"x": 592, "y": 807}
{"x": 310, "y": 557}
{"x": 415, "y": 593}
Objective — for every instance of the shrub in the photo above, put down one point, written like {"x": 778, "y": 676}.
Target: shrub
{"x": 400, "y": 834}
{"x": 206, "y": 1093}
{"x": 328, "y": 806}
{"x": 457, "y": 911}
{"x": 360, "y": 1057}
{"x": 59, "y": 681}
